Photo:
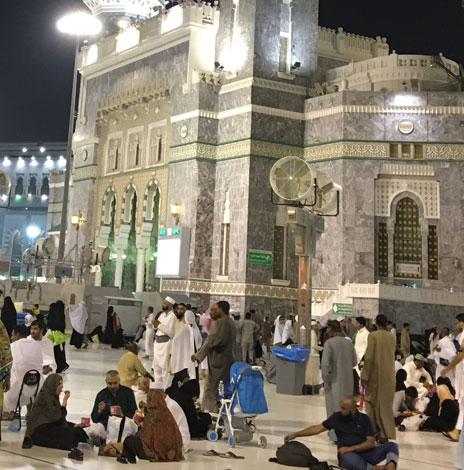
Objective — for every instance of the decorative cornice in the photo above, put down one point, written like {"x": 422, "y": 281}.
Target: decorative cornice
{"x": 233, "y": 289}
{"x": 155, "y": 91}
{"x": 85, "y": 173}
{"x": 233, "y": 150}
{"x": 263, "y": 83}
{"x": 356, "y": 149}
{"x": 78, "y": 143}
{"x": 444, "y": 151}
{"x": 368, "y": 109}
{"x": 399, "y": 169}
{"x": 346, "y": 149}
{"x": 249, "y": 108}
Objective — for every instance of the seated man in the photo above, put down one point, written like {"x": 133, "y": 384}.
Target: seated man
{"x": 130, "y": 368}
{"x": 27, "y": 355}
{"x": 114, "y": 400}
{"x": 415, "y": 370}
{"x": 355, "y": 439}
{"x": 48, "y": 356}
{"x": 404, "y": 404}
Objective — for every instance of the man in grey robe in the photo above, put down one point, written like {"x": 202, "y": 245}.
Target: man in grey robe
{"x": 219, "y": 348}
{"x": 338, "y": 360}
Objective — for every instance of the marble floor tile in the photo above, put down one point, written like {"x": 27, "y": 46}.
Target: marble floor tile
{"x": 85, "y": 377}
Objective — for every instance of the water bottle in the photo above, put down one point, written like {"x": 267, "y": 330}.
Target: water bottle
{"x": 221, "y": 390}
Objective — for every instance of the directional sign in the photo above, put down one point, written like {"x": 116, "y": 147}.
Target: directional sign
{"x": 345, "y": 310}
{"x": 260, "y": 257}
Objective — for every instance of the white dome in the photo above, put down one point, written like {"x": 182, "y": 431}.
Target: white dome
{"x": 142, "y": 8}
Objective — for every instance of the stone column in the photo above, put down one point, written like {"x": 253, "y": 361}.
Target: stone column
{"x": 142, "y": 243}
{"x": 120, "y": 245}
{"x": 140, "y": 269}
{"x": 101, "y": 240}
{"x": 98, "y": 279}
{"x": 118, "y": 270}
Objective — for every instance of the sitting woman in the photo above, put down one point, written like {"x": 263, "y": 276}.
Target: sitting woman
{"x": 159, "y": 439}
{"x": 448, "y": 413}
{"x": 46, "y": 424}
{"x": 186, "y": 396}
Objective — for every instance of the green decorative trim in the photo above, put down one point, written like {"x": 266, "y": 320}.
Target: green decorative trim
{"x": 236, "y": 149}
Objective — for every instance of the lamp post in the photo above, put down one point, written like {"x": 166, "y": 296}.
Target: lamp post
{"x": 77, "y": 24}
{"x": 76, "y": 221}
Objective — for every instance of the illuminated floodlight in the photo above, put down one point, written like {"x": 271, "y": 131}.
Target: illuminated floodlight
{"x": 79, "y": 24}
{"x": 44, "y": 197}
{"x": 33, "y": 231}
{"x": 24, "y": 149}
{"x": 6, "y": 161}
{"x": 42, "y": 149}
{"x": 20, "y": 163}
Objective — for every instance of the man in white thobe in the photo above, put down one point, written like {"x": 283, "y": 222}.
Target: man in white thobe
{"x": 457, "y": 364}
{"x": 48, "y": 356}
{"x": 27, "y": 355}
{"x": 149, "y": 333}
{"x": 415, "y": 370}
{"x": 444, "y": 353}
{"x": 313, "y": 369}
{"x": 162, "y": 348}
{"x": 360, "y": 343}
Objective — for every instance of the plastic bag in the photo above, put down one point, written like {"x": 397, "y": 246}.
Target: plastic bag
{"x": 57, "y": 337}
{"x": 295, "y": 353}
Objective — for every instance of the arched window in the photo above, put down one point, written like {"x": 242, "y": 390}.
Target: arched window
{"x": 407, "y": 240}
{"x": 32, "y": 188}
{"x": 19, "y": 189}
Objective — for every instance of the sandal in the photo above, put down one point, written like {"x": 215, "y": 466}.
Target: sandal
{"x": 76, "y": 454}
{"x": 231, "y": 455}
{"x": 451, "y": 438}
{"x": 212, "y": 453}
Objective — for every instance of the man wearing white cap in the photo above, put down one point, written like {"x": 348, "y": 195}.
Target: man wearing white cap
{"x": 162, "y": 347}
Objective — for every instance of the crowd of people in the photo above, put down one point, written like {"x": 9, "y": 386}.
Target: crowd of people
{"x": 152, "y": 414}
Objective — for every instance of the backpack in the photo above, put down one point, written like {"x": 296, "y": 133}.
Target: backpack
{"x": 296, "y": 454}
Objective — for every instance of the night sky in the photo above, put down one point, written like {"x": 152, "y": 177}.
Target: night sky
{"x": 37, "y": 60}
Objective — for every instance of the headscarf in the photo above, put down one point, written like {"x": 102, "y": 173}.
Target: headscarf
{"x": 288, "y": 331}
{"x": 278, "y": 331}
{"x": 47, "y": 407}
{"x": 160, "y": 435}
{"x": 54, "y": 320}
{"x": 444, "y": 393}
{"x": 28, "y": 319}
{"x": 108, "y": 333}
{"x": 178, "y": 377}
{"x": 79, "y": 317}
{"x": 8, "y": 316}
{"x": 401, "y": 377}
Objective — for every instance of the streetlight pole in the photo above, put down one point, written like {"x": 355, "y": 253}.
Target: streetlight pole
{"x": 67, "y": 174}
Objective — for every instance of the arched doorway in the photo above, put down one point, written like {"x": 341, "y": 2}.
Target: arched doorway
{"x": 407, "y": 241}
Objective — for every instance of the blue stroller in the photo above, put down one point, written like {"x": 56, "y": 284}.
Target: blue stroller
{"x": 241, "y": 403}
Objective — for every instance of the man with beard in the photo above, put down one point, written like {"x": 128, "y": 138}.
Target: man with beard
{"x": 219, "y": 348}
{"x": 164, "y": 327}
{"x": 180, "y": 313}
{"x": 355, "y": 439}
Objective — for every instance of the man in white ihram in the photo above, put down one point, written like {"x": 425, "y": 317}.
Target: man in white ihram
{"x": 48, "y": 356}
{"x": 27, "y": 356}
{"x": 162, "y": 348}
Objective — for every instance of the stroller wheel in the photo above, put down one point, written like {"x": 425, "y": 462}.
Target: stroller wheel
{"x": 262, "y": 442}
{"x": 212, "y": 436}
{"x": 231, "y": 441}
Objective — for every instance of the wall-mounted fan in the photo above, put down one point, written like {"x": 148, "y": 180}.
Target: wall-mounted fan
{"x": 291, "y": 178}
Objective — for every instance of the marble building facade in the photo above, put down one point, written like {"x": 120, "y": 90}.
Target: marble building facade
{"x": 202, "y": 127}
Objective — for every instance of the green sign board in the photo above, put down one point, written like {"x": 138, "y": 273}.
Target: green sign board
{"x": 344, "y": 310}
{"x": 260, "y": 257}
